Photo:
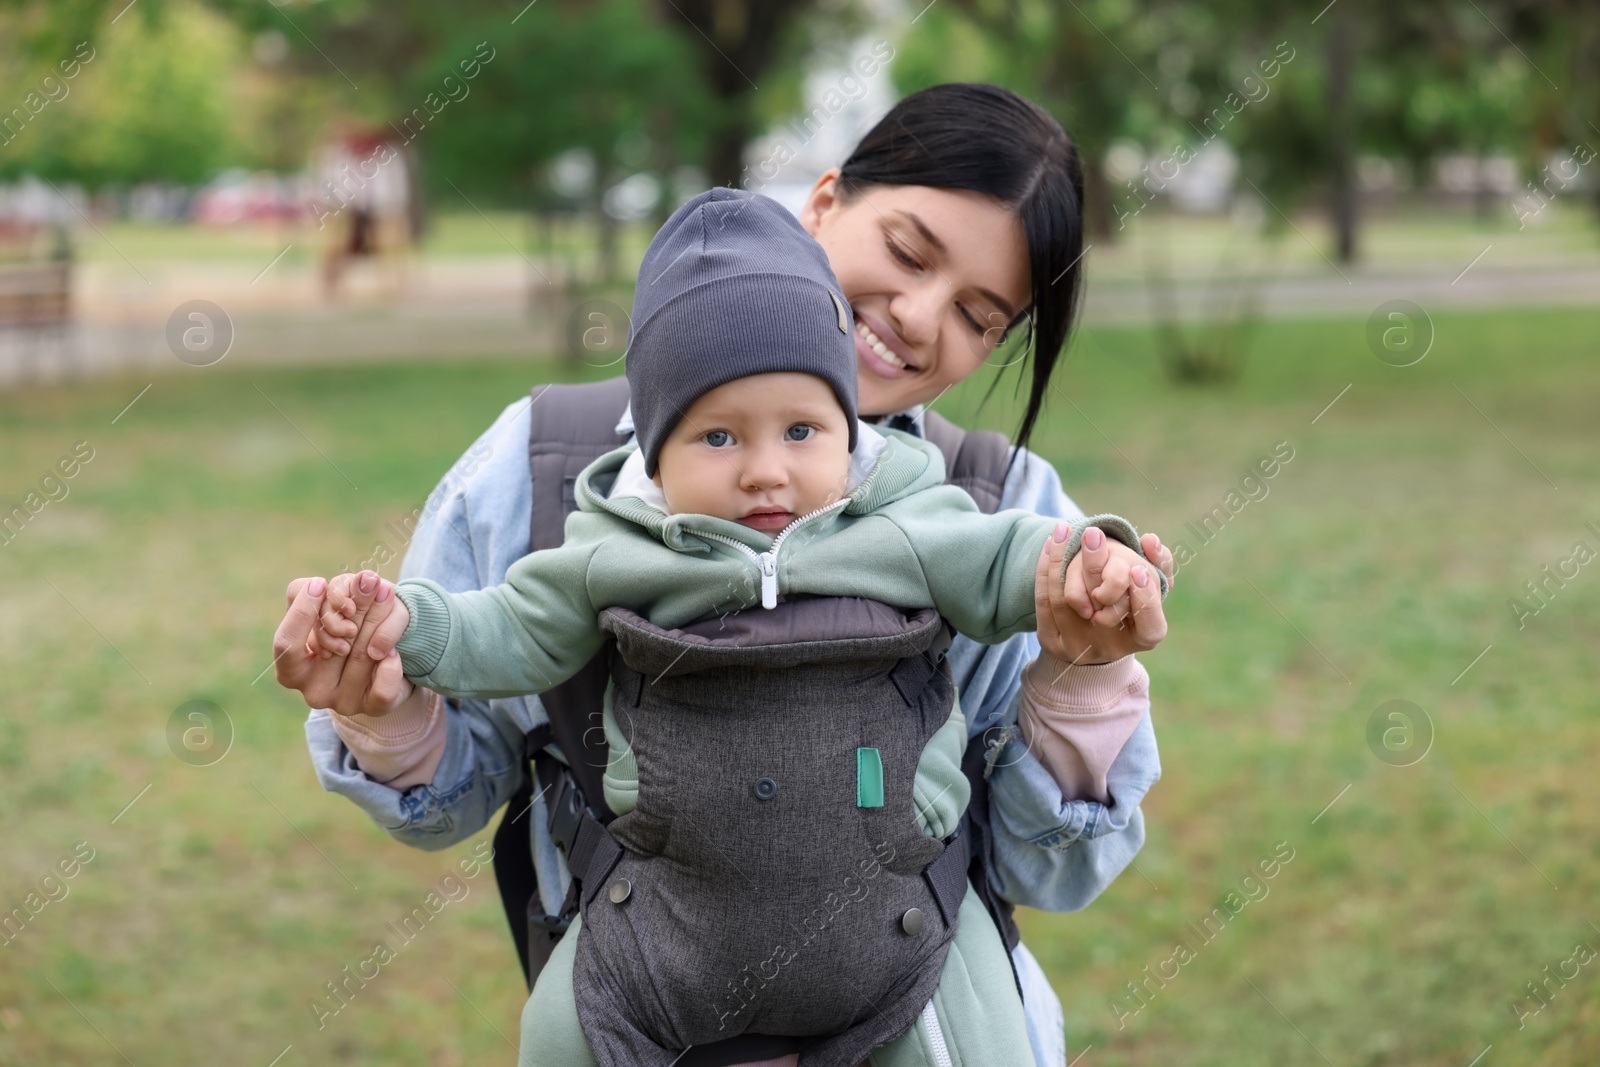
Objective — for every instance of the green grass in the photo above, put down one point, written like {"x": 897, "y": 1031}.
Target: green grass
{"x": 1382, "y": 562}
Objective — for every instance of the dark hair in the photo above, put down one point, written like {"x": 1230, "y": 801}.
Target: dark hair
{"x": 987, "y": 139}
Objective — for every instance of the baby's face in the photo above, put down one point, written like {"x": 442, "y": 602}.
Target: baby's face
{"x": 762, "y": 451}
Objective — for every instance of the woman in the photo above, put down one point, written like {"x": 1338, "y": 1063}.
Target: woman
{"x": 957, "y": 218}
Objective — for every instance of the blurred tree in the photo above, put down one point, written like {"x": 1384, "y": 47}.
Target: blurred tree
{"x": 378, "y": 48}
{"x": 1413, "y": 83}
{"x": 45, "y": 31}
{"x": 1089, "y": 63}
{"x": 677, "y": 76}
{"x": 1405, "y": 81}
{"x": 148, "y": 103}
{"x": 603, "y": 78}
{"x": 1559, "y": 43}
{"x": 736, "y": 42}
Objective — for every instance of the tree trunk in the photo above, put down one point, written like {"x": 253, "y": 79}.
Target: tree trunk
{"x": 663, "y": 135}
{"x": 1484, "y": 197}
{"x": 1099, "y": 215}
{"x": 604, "y": 173}
{"x": 737, "y": 42}
{"x": 725, "y": 148}
{"x": 1341, "y": 138}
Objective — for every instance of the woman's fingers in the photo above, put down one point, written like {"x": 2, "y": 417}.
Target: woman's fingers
{"x": 1042, "y": 569}
{"x": 1060, "y": 580}
{"x": 390, "y": 688}
{"x": 294, "y": 590}
{"x": 389, "y": 630}
{"x": 1159, "y": 554}
{"x": 1050, "y": 594}
{"x": 1050, "y": 576}
{"x": 1149, "y": 621}
{"x": 1074, "y": 590}
{"x": 305, "y": 601}
{"x": 355, "y": 679}
{"x": 1095, "y": 554}
{"x": 371, "y": 683}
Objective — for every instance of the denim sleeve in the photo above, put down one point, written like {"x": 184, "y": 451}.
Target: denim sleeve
{"x": 1049, "y": 852}
{"x": 472, "y": 527}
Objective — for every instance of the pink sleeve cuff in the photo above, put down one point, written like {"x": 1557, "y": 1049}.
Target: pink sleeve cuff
{"x": 1075, "y": 719}
{"x": 400, "y": 749}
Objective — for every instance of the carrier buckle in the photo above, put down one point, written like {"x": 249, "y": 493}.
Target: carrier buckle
{"x": 567, "y": 810}
{"x": 544, "y": 934}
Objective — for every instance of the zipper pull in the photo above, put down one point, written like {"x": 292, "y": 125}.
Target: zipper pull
{"x": 769, "y": 579}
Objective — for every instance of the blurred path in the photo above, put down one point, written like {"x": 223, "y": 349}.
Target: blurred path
{"x": 502, "y": 307}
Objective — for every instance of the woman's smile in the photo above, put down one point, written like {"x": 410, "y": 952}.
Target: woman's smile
{"x": 881, "y": 351}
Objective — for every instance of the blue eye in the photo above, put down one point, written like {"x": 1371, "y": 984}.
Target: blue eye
{"x": 804, "y": 432}
{"x": 718, "y": 438}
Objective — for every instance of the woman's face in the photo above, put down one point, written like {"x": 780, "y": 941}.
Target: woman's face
{"x": 933, "y": 276}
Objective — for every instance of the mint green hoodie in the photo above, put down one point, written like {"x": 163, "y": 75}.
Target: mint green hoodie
{"x": 901, "y": 536}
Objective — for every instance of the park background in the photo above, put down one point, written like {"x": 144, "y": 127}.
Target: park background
{"x": 1379, "y": 255}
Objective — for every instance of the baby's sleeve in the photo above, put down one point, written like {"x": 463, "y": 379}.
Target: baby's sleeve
{"x": 980, "y": 568}
{"x": 527, "y": 635}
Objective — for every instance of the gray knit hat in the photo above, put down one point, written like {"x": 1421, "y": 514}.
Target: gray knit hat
{"x": 732, "y": 286}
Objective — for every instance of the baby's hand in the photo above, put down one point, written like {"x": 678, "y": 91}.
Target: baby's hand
{"x": 1099, "y": 579}
{"x": 355, "y": 601}
{"x": 317, "y": 662}
{"x": 1102, "y": 604}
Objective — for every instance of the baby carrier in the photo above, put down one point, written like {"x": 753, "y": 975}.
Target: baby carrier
{"x": 773, "y": 878}
{"x": 917, "y": 882}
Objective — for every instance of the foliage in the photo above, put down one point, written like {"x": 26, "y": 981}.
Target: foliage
{"x": 1409, "y": 82}
{"x": 561, "y": 78}
{"x": 150, "y": 102}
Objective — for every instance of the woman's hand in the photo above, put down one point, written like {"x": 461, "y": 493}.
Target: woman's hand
{"x": 308, "y": 661}
{"x": 1088, "y": 619}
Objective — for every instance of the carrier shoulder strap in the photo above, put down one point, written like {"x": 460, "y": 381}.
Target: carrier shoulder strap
{"x": 571, "y": 425}
{"x": 974, "y": 460}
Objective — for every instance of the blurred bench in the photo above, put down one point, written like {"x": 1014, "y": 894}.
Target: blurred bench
{"x": 36, "y": 312}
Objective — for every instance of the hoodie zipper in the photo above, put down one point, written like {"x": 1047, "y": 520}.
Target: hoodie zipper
{"x": 930, "y": 1026}
{"x": 767, "y": 562}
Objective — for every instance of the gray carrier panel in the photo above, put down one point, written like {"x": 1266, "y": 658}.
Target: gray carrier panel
{"x": 751, "y": 889}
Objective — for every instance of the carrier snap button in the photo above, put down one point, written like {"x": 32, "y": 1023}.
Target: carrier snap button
{"x": 911, "y": 921}
{"x": 619, "y": 890}
{"x": 766, "y": 788}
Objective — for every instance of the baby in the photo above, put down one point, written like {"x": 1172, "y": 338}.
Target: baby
{"x": 775, "y": 575}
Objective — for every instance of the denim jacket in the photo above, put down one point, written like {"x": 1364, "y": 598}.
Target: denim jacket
{"x": 1049, "y": 852}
